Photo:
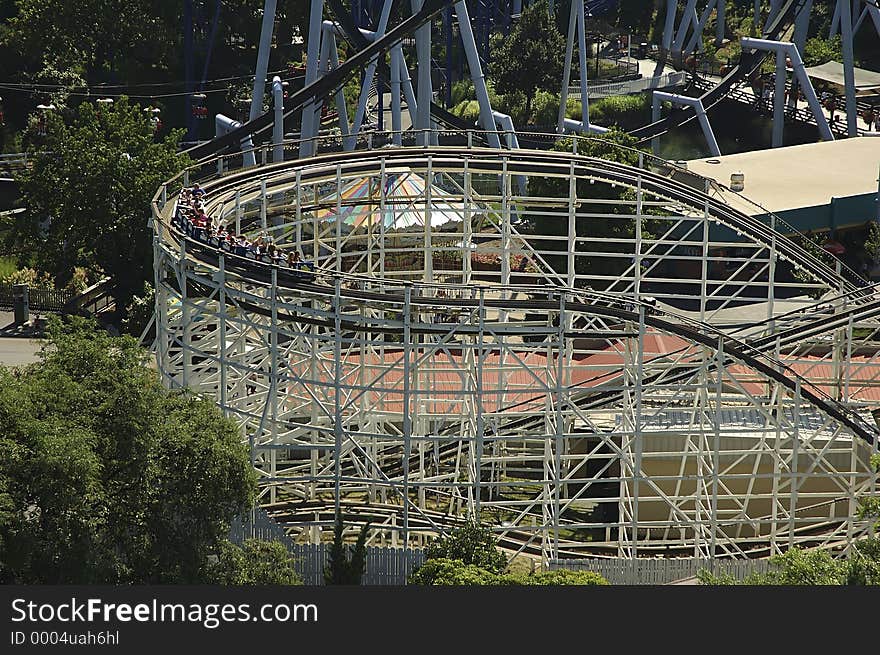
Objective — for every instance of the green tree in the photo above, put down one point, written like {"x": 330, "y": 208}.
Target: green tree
{"x": 93, "y": 181}
{"x": 820, "y": 51}
{"x": 105, "y": 476}
{"x": 531, "y": 57}
{"x": 255, "y": 562}
{"x": 340, "y": 569}
{"x": 470, "y": 544}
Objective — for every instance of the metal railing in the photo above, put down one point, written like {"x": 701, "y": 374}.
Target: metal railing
{"x": 631, "y": 87}
{"x": 44, "y": 300}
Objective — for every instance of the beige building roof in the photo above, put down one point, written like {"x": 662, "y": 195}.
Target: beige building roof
{"x": 809, "y": 175}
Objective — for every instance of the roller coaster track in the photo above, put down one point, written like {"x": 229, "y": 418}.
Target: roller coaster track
{"x": 605, "y": 171}
{"x": 750, "y": 62}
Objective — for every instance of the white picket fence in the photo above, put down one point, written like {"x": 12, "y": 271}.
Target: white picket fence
{"x": 392, "y": 566}
{"x": 656, "y": 571}
{"x": 384, "y": 566}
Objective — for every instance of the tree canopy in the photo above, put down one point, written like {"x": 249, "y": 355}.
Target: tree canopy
{"x": 105, "y": 476}
{"x": 532, "y": 55}
{"x": 88, "y": 194}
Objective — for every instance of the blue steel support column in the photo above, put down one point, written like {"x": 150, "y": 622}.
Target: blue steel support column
{"x": 655, "y": 116}
{"x": 720, "y": 22}
{"x": 408, "y": 92}
{"x": 263, "y": 59}
{"x": 874, "y": 13}
{"x": 846, "y": 25}
{"x": 447, "y": 31}
{"x": 835, "y": 21}
{"x": 801, "y": 29}
{"x": 783, "y": 48}
{"x": 696, "y": 40}
{"x": 278, "y": 126}
{"x": 775, "y": 5}
{"x": 308, "y": 112}
{"x": 689, "y": 15}
{"x": 566, "y": 72}
{"x": 371, "y": 71}
{"x": 395, "y": 96}
{"x": 779, "y": 100}
{"x": 423, "y": 54}
{"x": 700, "y": 111}
{"x": 224, "y": 125}
{"x": 582, "y": 60}
{"x": 669, "y": 26}
{"x": 470, "y": 49}
{"x": 341, "y": 108}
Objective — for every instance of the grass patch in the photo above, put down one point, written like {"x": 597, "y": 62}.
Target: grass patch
{"x": 8, "y": 265}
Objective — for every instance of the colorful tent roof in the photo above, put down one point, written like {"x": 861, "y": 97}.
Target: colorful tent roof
{"x": 404, "y": 206}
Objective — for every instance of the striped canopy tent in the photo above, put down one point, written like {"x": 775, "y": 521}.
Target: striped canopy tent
{"x": 358, "y": 202}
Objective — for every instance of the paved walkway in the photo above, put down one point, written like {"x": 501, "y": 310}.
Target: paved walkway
{"x": 19, "y": 345}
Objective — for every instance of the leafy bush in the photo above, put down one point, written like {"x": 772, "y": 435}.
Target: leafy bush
{"x": 514, "y": 105}
{"x": 625, "y": 111}
{"x": 819, "y": 51}
{"x": 561, "y": 577}
{"x": 461, "y": 91}
{"x": 545, "y": 108}
{"x": 255, "y": 562}
{"x": 470, "y": 544}
{"x": 469, "y": 110}
{"x": 29, "y": 276}
{"x": 450, "y": 572}
{"x": 446, "y": 572}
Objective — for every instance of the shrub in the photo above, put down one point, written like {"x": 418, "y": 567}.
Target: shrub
{"x": 450, "y": 572}
{"x": 255, "y": 562}
{"x": 468, "y": 110}
{"x": 30, "y": 277}
{"x": 445, "y": 571}
{"x": 563, "y": 577}
{"x": 470, "y": 544}
{"x": 545, "y": 108}
{"x": 462, "y": 91}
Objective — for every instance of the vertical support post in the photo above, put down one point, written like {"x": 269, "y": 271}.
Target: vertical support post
{"x": 407, "y": 399}
{"x": 720, "y": 22}
{"x": 307, "y": 147}
{"x": 423, "y": 54}
{"x": 263, "y": 202}
{"x": 689, "y": 16}
{"x": 266, "y": 30}
{"x": 582, "y": 60}
{"x": 655, "y": 116}
{"x": 467, "y": 38}
{"x": 669, "y": 27}
{"x": 278, "y": 125}
{"x": 572, "y": 227}
{"x": 396, "y": 136}
{"x": 779, "y": 100}
{"x": 637, "y": 432}
{"x": 716, "y": 447}
{"x": 337, "y": 392}
{"x": 566, "y": 71}
{"x": 846, "y": 31}
{"x": 447, "y": 31}
{"x": 237, "y": 212}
